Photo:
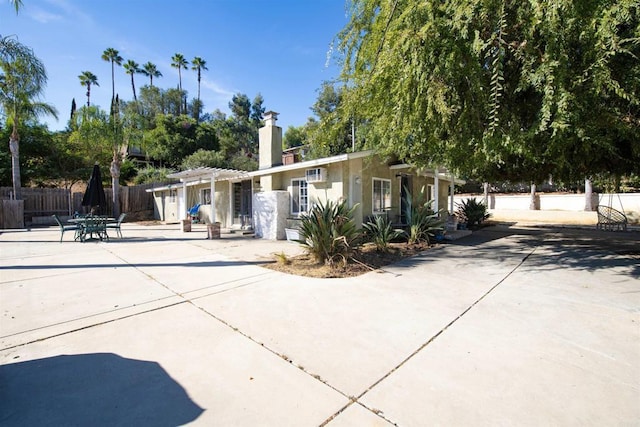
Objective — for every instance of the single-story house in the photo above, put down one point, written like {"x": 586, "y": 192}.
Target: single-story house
{"x": 271, "y": 198}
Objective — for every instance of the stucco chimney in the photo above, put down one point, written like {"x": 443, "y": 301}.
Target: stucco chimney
{"x": 270, "y": 138}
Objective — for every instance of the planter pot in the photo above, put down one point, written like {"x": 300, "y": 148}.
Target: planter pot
{"x": 186, "y": 225}
{"x": 292, "y": 234}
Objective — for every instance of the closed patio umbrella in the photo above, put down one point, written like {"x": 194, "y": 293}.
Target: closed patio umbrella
{"x": 94, "y": 196}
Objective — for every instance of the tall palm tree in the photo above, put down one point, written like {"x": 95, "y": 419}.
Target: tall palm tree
{"x": 150, "y": 70}
{"x": 180, "y": 63}
{"x": 131, "y": 67}
{"x": 198, "y": 64}
{"x": 87, "y": 78}
{"x": 22, "y": 81}
{"x": 113, "y": 56}
{"x": 17, "y": 4}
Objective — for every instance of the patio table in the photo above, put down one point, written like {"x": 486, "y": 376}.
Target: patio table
{"x": 91, "y": 225}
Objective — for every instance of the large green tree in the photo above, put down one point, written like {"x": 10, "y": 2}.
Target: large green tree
{"x": 22, "y": 82}
{"x": 497, "y": 88}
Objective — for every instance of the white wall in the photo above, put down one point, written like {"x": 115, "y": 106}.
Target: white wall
{"x": 270, "y": 212}
{"x": 629, "y": 202}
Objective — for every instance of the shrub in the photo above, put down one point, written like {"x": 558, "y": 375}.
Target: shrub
{"x": 380, "y": 232}
{"x": 473, "y": 211}
{"x": 423, "y": 221}
{"x": 329, "y": 233}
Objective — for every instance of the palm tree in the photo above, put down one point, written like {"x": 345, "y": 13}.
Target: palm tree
{"x": 17, "y": 4}
{"x": 150, "y": 70}
{"x": 87, "y": 78}
{"x": 131, "y": 67}
{"x": 199, "y": 64}
{"x": 22, "y": 81}
{"x": 180, "y": 63}
{"x": 113, "y": 56}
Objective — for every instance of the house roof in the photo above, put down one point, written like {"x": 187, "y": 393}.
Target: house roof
{"x": 201, "y": 173}
{"x": 312, "y": 163}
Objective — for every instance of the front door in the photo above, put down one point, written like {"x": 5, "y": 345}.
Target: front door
{"x": 405, "y": 194}
{"x": 242, "y": 204}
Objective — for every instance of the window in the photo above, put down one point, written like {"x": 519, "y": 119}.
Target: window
{"x": 205, "y": 196}
{"x": 172, "y": 196}
{"x": 299, "y": 196}
{"x": 316, "y": 174}
{"x": 381, "y": 195}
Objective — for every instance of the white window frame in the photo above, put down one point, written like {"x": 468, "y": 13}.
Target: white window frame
{"x": 203, "y": 198}
{"x": 385, "y": 207}
{"x": 301, "y": 183}
{"x": 173, "y": 194}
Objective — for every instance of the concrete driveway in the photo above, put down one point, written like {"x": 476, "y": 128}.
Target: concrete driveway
{"x": 507, "y": 326}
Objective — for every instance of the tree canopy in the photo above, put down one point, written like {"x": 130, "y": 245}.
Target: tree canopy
{"x": 497, "y": 88}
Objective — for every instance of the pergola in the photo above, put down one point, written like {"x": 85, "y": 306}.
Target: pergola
{"x": 203, "y": 175}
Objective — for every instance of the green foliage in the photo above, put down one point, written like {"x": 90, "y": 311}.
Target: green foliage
{"x": 472, "y": 211}
{"x": 380, "y": 232}
{"x": 204, "y": 158}
{"x": 423, "y": 221}
{"x": 329, "y": 233}
{"x": 295, "y": 136}
{"x": 495, "y": 89}
{"x": 150, "y": 175}
{"x": 243, "y": 163}
{"x": 175, "y": 137}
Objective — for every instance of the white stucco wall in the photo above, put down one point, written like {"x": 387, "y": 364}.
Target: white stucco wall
{"x": 270, "y": 212}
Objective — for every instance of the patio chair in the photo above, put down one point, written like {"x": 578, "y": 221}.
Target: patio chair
{"x": 610, "y": 219}
{"x": 193, "y": 213}
{"x": 68, "y": 227}
{"x": 95, "y": 225}
{"x": 116, "y": 225}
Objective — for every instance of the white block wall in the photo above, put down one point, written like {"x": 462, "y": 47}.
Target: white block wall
{"x": 270, "y": 212}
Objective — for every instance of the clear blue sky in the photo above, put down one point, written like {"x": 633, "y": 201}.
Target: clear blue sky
{"x": 277, "y": 48}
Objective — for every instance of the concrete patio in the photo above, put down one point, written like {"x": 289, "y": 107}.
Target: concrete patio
{"x": 512, "y": 325}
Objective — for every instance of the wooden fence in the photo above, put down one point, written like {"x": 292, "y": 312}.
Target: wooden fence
{"x": 41, "y": 203}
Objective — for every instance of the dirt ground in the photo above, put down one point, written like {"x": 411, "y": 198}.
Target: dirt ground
{"x": 365, "y": 259}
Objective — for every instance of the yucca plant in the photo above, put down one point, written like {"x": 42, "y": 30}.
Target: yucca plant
{"x": 381, "y": 233}
{"x": 423, "y": 221}
{"x": 329, "y": 233}
{"x": 473, "y": 210}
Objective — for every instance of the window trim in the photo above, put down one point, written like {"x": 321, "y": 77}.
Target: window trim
{"x": 302, "y": 182}
{"x": 385, "y": 208}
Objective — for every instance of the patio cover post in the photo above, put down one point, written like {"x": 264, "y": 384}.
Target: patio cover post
{"x": 213, "y": 198}
{"x": 183, "y": 208}
{"x": 453, "y": 189}
{"x": 436, "y": 192}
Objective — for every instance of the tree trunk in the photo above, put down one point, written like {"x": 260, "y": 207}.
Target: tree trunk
{"x": 533, "y": 204}
{"x": 588, "y": 195}
{"x": 115, "y": 184}
{"x": 486, "y": 194}
{"x": 14, "y": 147}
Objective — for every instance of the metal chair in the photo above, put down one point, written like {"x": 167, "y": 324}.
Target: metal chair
{"x": 68, "y": 227}
{"x": 116, "y": 225}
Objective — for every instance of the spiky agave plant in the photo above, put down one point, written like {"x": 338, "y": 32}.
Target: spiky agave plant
{"x": 329, "y": 233}
{"x": 381, "y": 233}
{"x": 423, "y": 221}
